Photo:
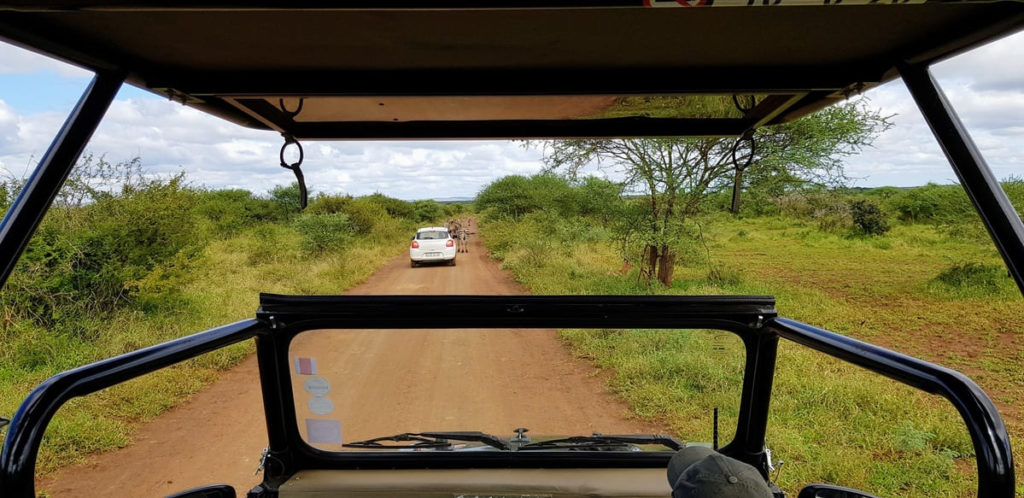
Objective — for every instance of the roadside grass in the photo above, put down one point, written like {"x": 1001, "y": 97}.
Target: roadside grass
{"x": 222, "y": 286}
{"x": 829, "y": 421}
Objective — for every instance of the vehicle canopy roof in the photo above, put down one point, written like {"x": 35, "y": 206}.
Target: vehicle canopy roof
{"x": 506, "y": 68}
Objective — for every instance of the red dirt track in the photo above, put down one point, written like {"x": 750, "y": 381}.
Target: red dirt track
{"x": 382, "y": 382}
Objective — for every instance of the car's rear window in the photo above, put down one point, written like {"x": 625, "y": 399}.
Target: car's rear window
{"x": 432, "y": 235}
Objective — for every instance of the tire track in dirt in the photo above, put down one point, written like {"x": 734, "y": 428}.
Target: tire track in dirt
{"x": 383, "y": 382}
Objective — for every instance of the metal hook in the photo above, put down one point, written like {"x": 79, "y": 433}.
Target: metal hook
{"x": 290, "y": 114}
{"x": 295, "y": 167}
{"x": 744, "y": 110}
{"x": 748, "y": 136}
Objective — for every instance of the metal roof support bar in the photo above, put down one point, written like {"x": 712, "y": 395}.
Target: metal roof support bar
{"x": 991, "y": 202}
{"x": 41, "y": 188}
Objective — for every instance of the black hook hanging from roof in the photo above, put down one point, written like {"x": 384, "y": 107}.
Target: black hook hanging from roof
{"x": 737, "y": 186}
{"x": 295, "y": 167}
{"x": 303, "y": 194}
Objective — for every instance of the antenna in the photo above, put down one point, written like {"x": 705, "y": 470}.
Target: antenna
{"x": 714, "y": 434}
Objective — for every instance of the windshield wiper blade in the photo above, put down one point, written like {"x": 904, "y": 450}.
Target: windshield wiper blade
{"x": 424, "y": 440}
{"x": 605, "y": 440}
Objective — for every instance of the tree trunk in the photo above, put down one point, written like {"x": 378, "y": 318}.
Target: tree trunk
{"x": 737, "y": 189}
{"x": 651, "y": 263}
{"x": 667, "y": 266}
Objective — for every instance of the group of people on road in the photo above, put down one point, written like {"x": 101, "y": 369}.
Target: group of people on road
{"x": 459, "y": 230}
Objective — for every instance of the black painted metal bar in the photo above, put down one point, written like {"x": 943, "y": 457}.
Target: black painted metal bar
{"x": 18, "y": 459}
{"x": 986, "y": 427}
{"x": 748, "y": 443}
{"x": 733, "y": 313}
{"x": 35, "y": 199}
{"x": 991, "y": 202}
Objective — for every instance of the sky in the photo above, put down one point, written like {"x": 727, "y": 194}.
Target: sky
{"x": 986, "y": 86}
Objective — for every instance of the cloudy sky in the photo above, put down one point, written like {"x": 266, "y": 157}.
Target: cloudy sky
{"x": 986, "y": 86}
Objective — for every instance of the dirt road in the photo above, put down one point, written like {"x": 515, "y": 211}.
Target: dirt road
{"x": 382, "y": 382}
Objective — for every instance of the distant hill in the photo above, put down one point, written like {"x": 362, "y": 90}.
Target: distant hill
{"x": 451, "y": 200}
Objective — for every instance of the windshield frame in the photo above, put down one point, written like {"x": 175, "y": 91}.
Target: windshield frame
{"x": 290, "y": 316}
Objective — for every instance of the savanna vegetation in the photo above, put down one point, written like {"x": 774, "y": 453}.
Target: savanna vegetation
{"x": 124, "y": 260}
{"x": 910, "y": 269}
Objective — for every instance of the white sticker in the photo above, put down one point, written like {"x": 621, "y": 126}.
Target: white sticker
{"x": 321, "y": 406}
{"x": 323, "y": 431}
{"x": 317, "y": 386}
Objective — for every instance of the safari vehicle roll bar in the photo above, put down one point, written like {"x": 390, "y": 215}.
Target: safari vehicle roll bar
{"x": 280, "y": 318}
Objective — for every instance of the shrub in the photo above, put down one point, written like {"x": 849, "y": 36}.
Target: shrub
{"x": 323, "y": 232}
{"x": 287, "y": 200}
{"x": 328, "y": 204}
{"x": 396, "y": 208}
{"x": 427, "y": 211}
{"x": 90, "y": 258}
{"x": 515, "y": 196}
{"x": 231, "y": 210}
{"x": 364, "y": 215}
{"x": 932, "y": 203}
{"x": 868, "y": 219}
{"x": 977, "y": 277}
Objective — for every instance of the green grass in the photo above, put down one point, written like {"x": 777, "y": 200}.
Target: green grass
{"x": 918, "y": 290}
{"x": 222, "y": 285}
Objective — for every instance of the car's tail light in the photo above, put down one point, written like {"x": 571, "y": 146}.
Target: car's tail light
{"x": 415, "y": 245}
{"x": 450, "y": 243}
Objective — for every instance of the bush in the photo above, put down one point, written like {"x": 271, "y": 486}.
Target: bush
{"x": 323, "y": 232}
{"x": 515, "y": 196}
{"x": 976, "y": 277}
{"x": 231, "y": 210}
{"x": 427, "y": 211}
{"x": 932, "y": 203}
{"x": 396, "y": 208}
{"x": 90, "y": 258}
{"x": 868, "y": 219}
{"x": 287, "y": 200}
{"x": 328, "y": 204}
{"x": 364, "y": 215}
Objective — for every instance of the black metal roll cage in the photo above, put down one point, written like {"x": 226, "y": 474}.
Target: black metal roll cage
{"x": 280, "y": 318}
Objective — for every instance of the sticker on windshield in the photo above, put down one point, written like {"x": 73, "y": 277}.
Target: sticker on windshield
{"x": 305, "y": 366}
{"x": 317, "y": 386}
{"x": 319, "y": 431}
{"x": 321, "y": 406}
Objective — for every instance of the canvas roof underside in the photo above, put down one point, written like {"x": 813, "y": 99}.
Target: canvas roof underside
{"x": 503, "y": 72}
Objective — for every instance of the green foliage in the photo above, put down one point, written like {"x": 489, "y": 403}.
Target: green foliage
{"x": 328, "y": 204}
{"x": 287, "y": 199}
{"x": 868, "y": 219}
{"x": 364, "y": 215}
{"x": 974, "y": 278}
{"x": 89, "y": 258}
{"x": 232, "y": 210}
{"x": 427, "y": 211}
{"x": 932, "y": 203}
{"x": 396, "y": 208}
{"x": 323, "y": 232}
{"x": 514, "y": 196}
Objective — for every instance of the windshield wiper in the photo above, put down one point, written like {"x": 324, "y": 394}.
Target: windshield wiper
{"x": 424, "y": 440}
{"x": 603, "y": 441}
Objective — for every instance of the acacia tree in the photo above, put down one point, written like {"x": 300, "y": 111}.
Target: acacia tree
{"x": 674, "y": 175}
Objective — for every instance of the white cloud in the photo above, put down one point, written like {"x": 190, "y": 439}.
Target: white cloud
{"x": 16, "y": 60}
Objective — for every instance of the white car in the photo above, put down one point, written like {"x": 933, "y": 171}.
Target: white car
{"x": 432, "y": 244}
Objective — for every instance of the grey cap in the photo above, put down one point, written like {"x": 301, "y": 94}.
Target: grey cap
{"x": 701, "y": 472}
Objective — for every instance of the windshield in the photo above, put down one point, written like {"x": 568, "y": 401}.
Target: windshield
{"x": 345, "y": 394}
{"x": 432, "y": 235}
